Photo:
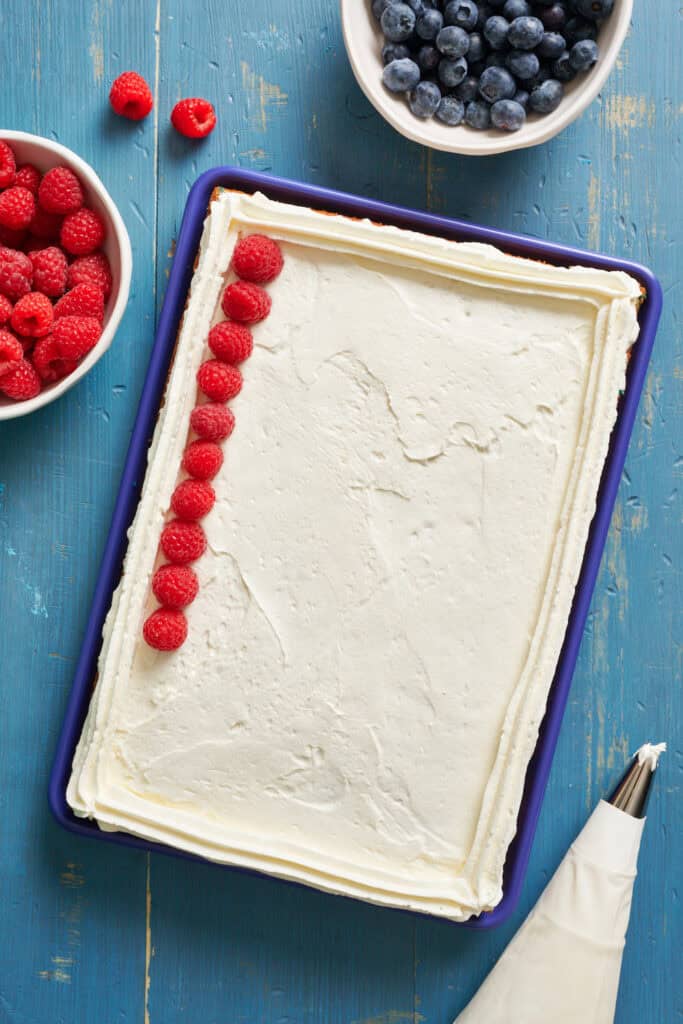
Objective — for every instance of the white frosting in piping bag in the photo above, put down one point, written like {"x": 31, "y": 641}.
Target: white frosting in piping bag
{"x": 399, "y": 527}
{"x": 650, "y": 754}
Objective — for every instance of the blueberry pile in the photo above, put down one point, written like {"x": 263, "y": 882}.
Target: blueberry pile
{"x": 486, "y": 62}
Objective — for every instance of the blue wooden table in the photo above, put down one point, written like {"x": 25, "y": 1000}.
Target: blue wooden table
{"x": 93, "y": 934}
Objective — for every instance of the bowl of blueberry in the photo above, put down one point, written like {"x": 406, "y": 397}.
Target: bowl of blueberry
{"x": 482, "y": 76}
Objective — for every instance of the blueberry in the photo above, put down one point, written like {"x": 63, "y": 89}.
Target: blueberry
{"x": 562, "y": 68}
{"x": 401, "y": 75}
{"x": 543, "y": 75}
{"x": 478, "y": 114}
{"x": 424, "y": 99}
{"x": 523, "y": 64}
{"x": 496, "y": 3}
{"x": 494, "y": 60}
{"x": 468, "y": 89}
{"x": 516, "y": 9}
{"x": 554, "y": 17}
{"x": 394, "y": 51}
{"x": 418, "y": 6}
{"x": 594, "y": 9}
{"x": 583, "y": 54}
{"x": 452, "y": 72}
{"x": 522, "y": 97}
{"x": 508, "y": 115}
{"x": 450, "y": 111}
{"x": 429, "y": 24}
{"x": 398, "y": 22}
{"x": 453, "y": 41}
{"x": 476, "y": 68}
{"x": 497, "y": 84}
{"x": 378, "y": 7}
{"x": 463, "y": 13}
{"x": 496, "y": 32}
{"x": 485, "y": 12}
{"x": 577, "y": 28}
{"x": 477, "y": 48}
{"x": 551, "y": 46}
{"x": 525, "y": 33}
{"x": 546, "y": 97}
{"x": 428, "y": 58}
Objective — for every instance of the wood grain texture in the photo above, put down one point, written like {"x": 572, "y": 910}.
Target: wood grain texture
{"x": 92, "y": 933}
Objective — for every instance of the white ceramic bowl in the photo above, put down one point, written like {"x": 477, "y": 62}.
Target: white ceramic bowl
{"x": 363, "y": 40}
{"x": 45, "y": 154}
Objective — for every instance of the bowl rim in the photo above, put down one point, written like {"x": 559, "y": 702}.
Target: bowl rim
{"x": 94, "y": 184}
{"x": 467, "y": 142}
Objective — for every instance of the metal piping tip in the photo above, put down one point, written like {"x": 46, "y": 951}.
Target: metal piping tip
{"x": 633, "y": 790}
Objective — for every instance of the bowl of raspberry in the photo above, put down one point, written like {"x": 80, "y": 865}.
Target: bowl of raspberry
{"x": 65, "y": 268}
{"x": 480, "y": 77}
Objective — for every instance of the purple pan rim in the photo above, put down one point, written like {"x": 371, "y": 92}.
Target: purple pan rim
{"x": 134, "y": 468}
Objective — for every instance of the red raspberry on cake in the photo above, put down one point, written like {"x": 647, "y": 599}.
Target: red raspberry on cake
{"x": 75, "y": 336}
{"x": 60, "y": 191}
{"x": 16, "y": 273}
{"x": 257, "y": 259}
{"x": 246, "y": 302}
{"x": 5, "y": 310}
{"x": 83, "y": 300}
{"x": 212, "y": 422}
{"x": 231, "y": 342}
{"x": 82, "y": 232}
{"x": 45, "y": 226}
{"x": 28, "y": 177}
{"x": 175, "y": 586}
{"x": 11, "y": 352}
{"x": 182, "y": 542}
{"x": 202, "y": 460}
{"x": 218, "y": 380}
{"x": 21, "y": 382}
{"x": 92, "y": 269}
{"x": 49, "y": 270}
{"x": 195, "y": 118}
{"x": 130, "y": 96}
{"x": 32, "y": 315}
{"x": 8, "y": 165}
{"x": 165, "y": 629}
{"x": 193, "y": 499}
{"x": 48, "y": 361}
{"x": 17, "y": 207}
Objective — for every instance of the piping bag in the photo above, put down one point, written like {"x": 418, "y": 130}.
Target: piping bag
{"x": 563, "y": 965}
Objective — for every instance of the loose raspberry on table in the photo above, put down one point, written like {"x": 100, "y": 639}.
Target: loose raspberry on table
{"x": 231, "y": 342}
{"x": 49, "y": 270}
{"x": 194, "y": 117}
{"x": 212, "y": 422}
{"x": 165, "y": 629}
{"x": 8, "y": 165}
{"x": 182, "y": 542}
{"x": 46, "y": 225}
{"x": 257, "y": 259}
{"x": 75, "y": 336}
{"x": 83, "y": 300}
{"x": 11, "y": 352}
{"x": 202, "y": 460}
{"x": 82, "y": 232}
{"x": 246, "y": 302}
{"x": 16, "y": 273}
{"x": 17, "y": 207}
{"x": 21, "y": 382}
{"x": 175, "y": 586}
{"x": 28, "y": 177}
{"x": 32, "y": 315}
{"x": 219, "y": 381}
{"x": 60, "y": 191}
{"x": 193, "y": 499}
{"x": 130, "y": 96}
{"x": 49, "y": 363}
{"x": 93, "y": 269}
{"x": 5, "y": 310}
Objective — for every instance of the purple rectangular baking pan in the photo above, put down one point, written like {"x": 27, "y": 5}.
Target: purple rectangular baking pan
{"x": 134, "y": 471}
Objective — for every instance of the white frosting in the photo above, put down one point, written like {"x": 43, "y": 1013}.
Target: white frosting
{"x": 399, "y": 528}
{"x": 650, "y": 754}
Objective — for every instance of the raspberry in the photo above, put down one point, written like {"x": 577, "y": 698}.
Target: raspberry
{"x": 49, "y": 271}
{"x": 5, "y": 310}
{"x": 17, "y": 207}
{"x": 83, "y": 300}
{"x": 48, "y": 361}
{"x": 182, "y": 542}
{"x": 45, "y": 225}
{"x": 32, "y": 315}
{"x": 246, "y": 302}
{"x": 212, "y": 422}
{"x": 12, "y": 239}
{"x": 257, "y": 259}
{"x": 202, "y": 459}
{"x": 11, "y": 351}
{"x": 82, "y": 232}
{"x": 193, "y": 117}
{"x": 231, "y": 342}
{"x": 175, "y": 586}
{"x": 219, "y": 381}
{"x": 21, "y": 382}
{"x": 16, "y": 273}
{"x": 8, "y": 165}
{"x": 60, "y": 191}
{"x": 91, "y": 270}
{"x": 165, "y": 629}
{"x": 130, "y": 96}
{"x": 74, "y": 336}
{"x": 193, "y": 499}
{"x": 28, "y": 177}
